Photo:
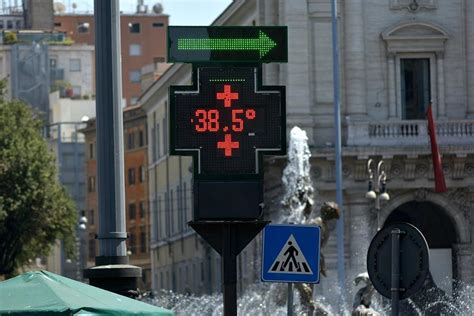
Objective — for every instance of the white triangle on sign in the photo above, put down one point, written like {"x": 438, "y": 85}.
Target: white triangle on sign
{"x": 290, "y": 259}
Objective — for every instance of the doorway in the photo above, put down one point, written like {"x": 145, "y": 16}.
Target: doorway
{"x": 440, "y": 235}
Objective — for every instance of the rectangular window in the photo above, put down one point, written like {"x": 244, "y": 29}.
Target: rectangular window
{"x": 142, "y": 173}
{"x": 132, "y": 243}
{"x": 158, "y": 218}
{"x": 57, "y": 24}
{"x": 91, "y": 247}
{"x": 185, "y": 204}
{"x": 91, "y": 151}
{"x": 179, "y": 209}
{"x": 167, "y": 215}
{"x": 141, "y": 138}
{"x": 18, "y": 25}
{"x": 415, "y": 86}
{"x": 74, "y": 64}
{"x": 131, "y": 140}
{"x": 135, "y": 50}
{"x": 142, "y": 242}
{"x": 171, "y": 211}
{"x": 131, "y": 176}
{"x": 9, "y": 24}
{"x": 83, "y": 27}
{"x": 91, "y": 184}
{"x": 142, "y": 209}
{"x": 135, "y": 76}
{"x": 91, "y": 217}
{"x": 165, "y": 136}
{"x": 132, "y": 211}
{"x": 158, "y": 24}
{"x": 158, "y": 141}
{"x": 134, "y": 27}
{"x": 2, "y": 25}
{"x": 153, "y": 144}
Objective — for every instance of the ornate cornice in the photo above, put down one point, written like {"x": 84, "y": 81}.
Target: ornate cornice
{"x": 413, "y": 5}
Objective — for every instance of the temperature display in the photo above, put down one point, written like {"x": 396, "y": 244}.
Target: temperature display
{"x": 227, "y": 120}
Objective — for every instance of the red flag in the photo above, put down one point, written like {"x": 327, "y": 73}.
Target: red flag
{"x": 440, "y": 184}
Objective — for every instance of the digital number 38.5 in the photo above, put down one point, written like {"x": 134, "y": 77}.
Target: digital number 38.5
{"x": 208, "y": 121}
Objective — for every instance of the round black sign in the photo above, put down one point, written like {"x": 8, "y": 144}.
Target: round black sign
{"x": 414, "y": 260}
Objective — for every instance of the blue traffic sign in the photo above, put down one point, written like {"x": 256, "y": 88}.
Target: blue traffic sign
{"x": 291, "y": 253}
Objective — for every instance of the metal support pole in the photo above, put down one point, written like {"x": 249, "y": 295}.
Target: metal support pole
{"x": 110, "y": 169}
{"x": 114, "y": 274}
{"x": 341, "y": 274}
{"x": 290, "y": 299}
{"x": 395, "y": 270}
{"x": 229, "y": 266}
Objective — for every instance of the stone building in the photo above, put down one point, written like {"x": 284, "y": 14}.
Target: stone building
{"x": 142, "y": 40}
{"x": 136, "y": 191}
{"x": 395, "y": 56}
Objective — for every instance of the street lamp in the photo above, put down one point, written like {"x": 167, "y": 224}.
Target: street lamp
{"x": 377, "y": 189}
{"x": 80, "y": 247}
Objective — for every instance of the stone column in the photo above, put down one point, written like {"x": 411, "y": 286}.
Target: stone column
{"x": 441, "y": 85}
{"x": 392, "y": 87}
{"x": 469, "y": 18}
{"x": 354, "y": 59}
{"x": 465, "y": 269}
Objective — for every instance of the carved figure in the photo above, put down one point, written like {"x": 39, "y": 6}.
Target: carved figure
{"x": 329, "y": 211}
{"x": 363, "y": 297}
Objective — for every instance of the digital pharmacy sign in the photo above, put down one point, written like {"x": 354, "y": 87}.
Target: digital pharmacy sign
{"x": 227, "y": 121}
{"x": 201, "y": 44}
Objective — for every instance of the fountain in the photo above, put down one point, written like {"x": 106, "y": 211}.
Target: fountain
{"x": 270, "y": 299}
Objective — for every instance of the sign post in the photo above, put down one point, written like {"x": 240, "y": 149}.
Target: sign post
{"x": 291, "y": 253}
{"x": 398, "y": 262}
{"x": 227, "y": 120}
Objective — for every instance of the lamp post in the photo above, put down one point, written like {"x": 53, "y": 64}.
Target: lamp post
{"x": 377, "y": 185}
{"x": 68, "y": 145}
{"x": 81, "y": 256}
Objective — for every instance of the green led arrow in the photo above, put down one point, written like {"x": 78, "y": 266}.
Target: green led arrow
{"x": 263, "y": 44}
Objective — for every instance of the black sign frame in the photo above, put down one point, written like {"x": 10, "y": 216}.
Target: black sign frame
{"x": 279, "y": 33}
{"x": 227, "y": 177}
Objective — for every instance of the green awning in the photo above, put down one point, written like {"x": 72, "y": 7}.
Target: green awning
{"x": 46, "y": 293}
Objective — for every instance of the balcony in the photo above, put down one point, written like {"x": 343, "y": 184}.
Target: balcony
{"x": 409, "y": 133}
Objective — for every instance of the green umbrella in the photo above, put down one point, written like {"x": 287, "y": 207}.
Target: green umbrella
{"x": 46, "y": 293}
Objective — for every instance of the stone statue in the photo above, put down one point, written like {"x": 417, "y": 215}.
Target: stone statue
{"x": 363, "y": 297}
{"x": 329, "y": 211}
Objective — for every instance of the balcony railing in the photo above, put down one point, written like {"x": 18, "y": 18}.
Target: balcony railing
{"x": 412, "y": 132}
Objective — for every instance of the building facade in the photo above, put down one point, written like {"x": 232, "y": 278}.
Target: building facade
{"x": 136, "y": 191}
{"x": 181, "y": 260}
{"x": 142, "y": 41}
{"x": 396, "y": 56}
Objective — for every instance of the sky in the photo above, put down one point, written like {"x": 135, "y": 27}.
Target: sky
{"x": 181, "y": 12}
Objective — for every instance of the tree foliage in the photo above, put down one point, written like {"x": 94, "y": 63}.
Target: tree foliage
{"x": 35, "y": 209}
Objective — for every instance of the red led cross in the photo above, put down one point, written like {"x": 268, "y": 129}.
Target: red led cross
{"x": 227, "y": 96}
{"x": 228, "y": 145}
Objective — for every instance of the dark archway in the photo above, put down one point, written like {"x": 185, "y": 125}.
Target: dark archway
{"x": 440, "y": 233}
{"x": 430, "y": 219}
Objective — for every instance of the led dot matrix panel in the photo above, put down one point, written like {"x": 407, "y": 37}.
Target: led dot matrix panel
{"x": 227, "y": 121}
{"x": 227, "y": 44}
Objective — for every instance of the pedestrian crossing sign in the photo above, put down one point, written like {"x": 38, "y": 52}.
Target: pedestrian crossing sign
{"x": 291, "y": 253}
